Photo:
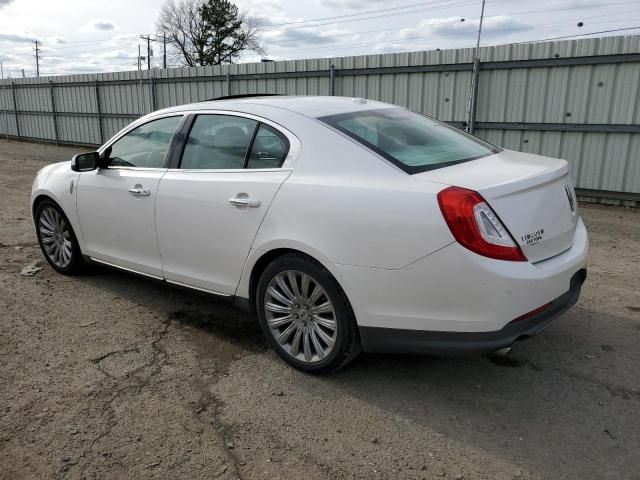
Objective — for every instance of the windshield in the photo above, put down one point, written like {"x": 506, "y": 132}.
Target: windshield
{"x": 413, "y": 142}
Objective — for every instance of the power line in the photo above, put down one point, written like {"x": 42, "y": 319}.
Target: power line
{"x": 81, "y": 43}
{"x": 465, "y": 3}
{"x": 578, "y": 35}
{"x": 447, "y": 23}
{"x": 409, "y": 39}
{"x": 399, "y": 7}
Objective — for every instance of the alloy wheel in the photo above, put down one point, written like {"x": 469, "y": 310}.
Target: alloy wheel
{"x": 300, "y": 316}
{"x": 55, "y": 235}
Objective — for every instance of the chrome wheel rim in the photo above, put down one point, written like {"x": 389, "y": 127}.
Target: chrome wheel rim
{"x": 300, "y": 316}
{"x": 55, "y": 236}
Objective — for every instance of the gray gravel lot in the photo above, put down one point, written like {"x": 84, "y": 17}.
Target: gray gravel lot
{"x": 111, "y": 376}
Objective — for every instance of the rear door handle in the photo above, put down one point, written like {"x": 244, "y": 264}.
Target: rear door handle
{"x": 139, "y": 191}
{"x": 244, "y": 202}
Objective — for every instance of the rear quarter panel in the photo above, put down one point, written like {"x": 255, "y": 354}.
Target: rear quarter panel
{"x": 352, "y": 207}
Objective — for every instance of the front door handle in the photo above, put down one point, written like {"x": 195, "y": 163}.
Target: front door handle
{"x": 139, "y": 191}
{"x": 244, "y": 202}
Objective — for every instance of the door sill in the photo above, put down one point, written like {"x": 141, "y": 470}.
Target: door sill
{"x": 186, "y": 285}
{"x": 131, "y": 270}
{"x": 155, "y": 277}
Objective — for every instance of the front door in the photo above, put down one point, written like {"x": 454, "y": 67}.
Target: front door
{"x": 209, "y": 210}
{"x": 116, "y": 204}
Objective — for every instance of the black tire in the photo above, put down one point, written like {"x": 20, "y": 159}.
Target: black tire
{"x": 76, "y": 264}
{"x": 347, "y": 341}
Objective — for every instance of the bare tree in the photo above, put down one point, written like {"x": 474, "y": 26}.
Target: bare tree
{"x": 208, "y": 32}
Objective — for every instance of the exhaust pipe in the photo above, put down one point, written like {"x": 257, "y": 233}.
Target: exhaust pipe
{"x": 503, "y": 352}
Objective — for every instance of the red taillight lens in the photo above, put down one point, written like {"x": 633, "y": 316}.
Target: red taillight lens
{"x": 476, "y": 226}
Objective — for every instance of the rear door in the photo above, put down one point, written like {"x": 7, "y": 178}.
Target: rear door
{"x": 116, "y": 204}
{"x": 210, "y": 207}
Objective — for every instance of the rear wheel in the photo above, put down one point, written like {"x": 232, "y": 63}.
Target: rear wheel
{"x": 57, "y": 239}
{"x": 305, "y": 315}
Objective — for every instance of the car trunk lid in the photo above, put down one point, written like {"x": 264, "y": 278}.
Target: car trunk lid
{"x": 533, "y": 196}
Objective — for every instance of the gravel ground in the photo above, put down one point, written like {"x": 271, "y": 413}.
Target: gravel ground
{"x": 110, "y": 376}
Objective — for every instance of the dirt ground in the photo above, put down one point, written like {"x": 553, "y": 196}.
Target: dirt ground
{"x": 111, "y": 376}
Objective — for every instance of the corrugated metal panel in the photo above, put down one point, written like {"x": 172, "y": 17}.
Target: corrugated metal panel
{"x": 592, "y": 93}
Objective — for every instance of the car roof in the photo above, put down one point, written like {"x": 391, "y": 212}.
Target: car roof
{"x": 310, "y": 106}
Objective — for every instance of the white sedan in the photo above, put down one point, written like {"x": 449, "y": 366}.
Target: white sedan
{"x": 344, "y": 224}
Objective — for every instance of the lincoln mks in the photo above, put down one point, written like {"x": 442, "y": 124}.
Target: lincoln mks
{"x": 343, "y": 224}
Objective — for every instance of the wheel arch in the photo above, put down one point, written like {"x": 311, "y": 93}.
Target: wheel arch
{"x": 45, "y": 195}
{"x": 268, "y": 256}
{"x": 38, "y": 199}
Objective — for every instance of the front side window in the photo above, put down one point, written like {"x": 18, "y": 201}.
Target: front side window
{"x": 269, "y": 148}
{"x": 413, "y": 142}
{"x": 146, "y": 145}
{"x": 218, "y": 142}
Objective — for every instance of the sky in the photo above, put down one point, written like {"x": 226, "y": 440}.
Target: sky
{"x": 83, "y": 36}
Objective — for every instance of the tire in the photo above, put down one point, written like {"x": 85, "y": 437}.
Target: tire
{"x": 299, "y": 324}
{"x": 57, "y": 239}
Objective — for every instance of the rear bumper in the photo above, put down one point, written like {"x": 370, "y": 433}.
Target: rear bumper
{"x": 392, "y": 340}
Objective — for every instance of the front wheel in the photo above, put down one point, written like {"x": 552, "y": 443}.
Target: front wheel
{"x": 305, "y": 315}
{"x": 57, "y": 239}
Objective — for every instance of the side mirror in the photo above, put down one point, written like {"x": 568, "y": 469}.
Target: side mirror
{"x": 85, "y": 162}
{"x": 103, "y": 161}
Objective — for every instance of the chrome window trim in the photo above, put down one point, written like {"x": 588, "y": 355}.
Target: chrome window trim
{"x": 137, "y": 123}
{"x": 295, "y": 146}
{"x": 229, "y": 170}
{"x": 138, "y": 169}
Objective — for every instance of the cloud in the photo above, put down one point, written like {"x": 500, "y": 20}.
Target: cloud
{"x": 56, "y": 40}
{"x": 294, "y": 38}
{"x": 258, "y": 8}
{"x": 456, "y": 27}
{"x": 17, "y": 37}
{"x": 576, "y": 3}
{"x": 353, "y": 4}
{"x": 103, "y": 25}
{"x": 4, "y": 3}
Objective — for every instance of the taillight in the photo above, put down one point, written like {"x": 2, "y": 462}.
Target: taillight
{"x": 476, "y": 226}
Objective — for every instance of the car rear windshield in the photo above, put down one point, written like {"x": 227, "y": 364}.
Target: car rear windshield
{"x": 413, "y": 142}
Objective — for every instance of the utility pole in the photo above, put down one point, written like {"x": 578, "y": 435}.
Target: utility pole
{"x": 148, "y": 39}
{"x": 473, "y": 93}
{"x": 37, "y": 59}
{"x": 138, "y": 57}
{"x": 6, "y": 114}
{"x": 164, "y": 50}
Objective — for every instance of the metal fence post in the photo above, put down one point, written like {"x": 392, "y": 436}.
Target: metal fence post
{"x": 15, "y": 108}
{"x": 332, "y": 80}
{"x": 152, "y": 83}
{"x": 228, "y": 83}
{"x": 5, "y": 103}
{"x": 54, "y": 111}
{"x": 99, "y": 111}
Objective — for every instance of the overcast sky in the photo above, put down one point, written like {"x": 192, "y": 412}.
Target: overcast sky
{"x": 80, "y": 36}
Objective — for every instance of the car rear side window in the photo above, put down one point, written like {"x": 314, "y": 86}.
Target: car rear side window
{"x": 269, "y": 148}
{"x": 217, "y": 142}
{"x": 413, "y": 142}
